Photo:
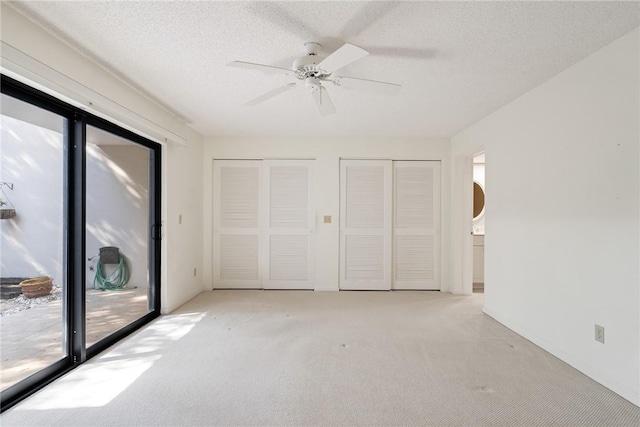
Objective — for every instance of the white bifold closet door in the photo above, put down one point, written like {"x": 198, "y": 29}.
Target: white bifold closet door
{"x": 365, "y": 224}
{"x": 416, "y": 231}
{"x": 263, "y": 224}
{"x": 288, "y": 225}
{"x": 236, "y": 223}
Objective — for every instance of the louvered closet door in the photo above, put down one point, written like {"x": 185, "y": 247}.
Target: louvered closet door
{"x": 416, "y": 232}
{"x": 365, "y": 224}
{"x": 289, "y": 222}
{"x": 236, "y": 223}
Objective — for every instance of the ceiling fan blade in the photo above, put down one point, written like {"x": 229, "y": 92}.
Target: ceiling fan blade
{"x": 260, "y": 67}
{"x": 367, "y": 85}
{"x": 272, "y": 93}
{"x": 276, "y": 14}
{"x": 368, "y": 15}
{"x": 342, "y": 57}
{"x": 323, "y": 101}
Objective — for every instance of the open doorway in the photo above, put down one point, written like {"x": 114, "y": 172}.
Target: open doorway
{"x": 478, "y": 230}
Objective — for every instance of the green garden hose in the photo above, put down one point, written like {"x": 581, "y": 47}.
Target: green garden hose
{"x": 115, "y": 281}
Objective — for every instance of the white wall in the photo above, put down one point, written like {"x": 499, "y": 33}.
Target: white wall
{"x": 327, "y": 154}
{"x": 563, "y": 249}
{"x": 37, "y": 57}
{"x": 182, "y": 243}
{"x": 118, "y": 207}
{"x": 31, "y": 243}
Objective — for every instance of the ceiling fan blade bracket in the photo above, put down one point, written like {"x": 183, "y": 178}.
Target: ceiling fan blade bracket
{"x": 335, "y": 80}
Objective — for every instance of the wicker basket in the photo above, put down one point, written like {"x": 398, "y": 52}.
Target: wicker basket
{"x": 36, "y": 287}
{"x": 6, "y": 213}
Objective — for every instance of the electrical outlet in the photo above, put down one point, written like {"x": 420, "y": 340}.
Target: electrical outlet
{"x": 327, "y": 219}
{"x": 600, "y": 333}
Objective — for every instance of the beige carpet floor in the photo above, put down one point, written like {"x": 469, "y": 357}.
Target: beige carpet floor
{"x": 311, "y": 358}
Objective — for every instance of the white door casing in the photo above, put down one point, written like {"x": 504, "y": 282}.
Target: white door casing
{"x": 236, "y": 224}
{"x": 365, "y": 224}
{"x": 416, "y": 231}
{"x": 288, "y": 227}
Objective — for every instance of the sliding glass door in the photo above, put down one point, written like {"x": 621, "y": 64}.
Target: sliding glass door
{"x": 32, "y": 240}
{"x": 79, "y": 237}
{"x": 117, "y": 233}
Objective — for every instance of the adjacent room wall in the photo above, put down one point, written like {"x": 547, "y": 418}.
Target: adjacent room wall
{"x": 327, "y": 154}
{"x": 563, "y": 241}
{"x": 478, "y": 176}
{"x": 61, "y": 69}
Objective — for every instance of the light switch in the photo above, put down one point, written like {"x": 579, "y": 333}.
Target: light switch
{"x": 327, "y": 219}
{"x": 180, "y": 219}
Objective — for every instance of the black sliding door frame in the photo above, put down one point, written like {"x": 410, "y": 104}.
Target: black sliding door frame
{"x": 74, "y": 229}
{"x": 155, "y": 211}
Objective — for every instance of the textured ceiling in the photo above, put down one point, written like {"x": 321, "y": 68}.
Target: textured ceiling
{"x": 456, "y": 61}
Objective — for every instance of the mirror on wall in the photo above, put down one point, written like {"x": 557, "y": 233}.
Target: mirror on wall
{"x": 478, "y": 200}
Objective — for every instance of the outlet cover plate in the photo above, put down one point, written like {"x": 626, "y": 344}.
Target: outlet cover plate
{"x": 599, "y": 330}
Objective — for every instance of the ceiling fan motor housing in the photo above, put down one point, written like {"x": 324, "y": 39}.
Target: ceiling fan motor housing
{"x": 306, "y": 60}
{"x": 307, "y": 65}
{"x": 312, "y": 48}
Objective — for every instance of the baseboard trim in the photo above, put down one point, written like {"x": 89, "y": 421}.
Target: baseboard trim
{"x": 166, "y": 309}
{"x": 593, "y": 373}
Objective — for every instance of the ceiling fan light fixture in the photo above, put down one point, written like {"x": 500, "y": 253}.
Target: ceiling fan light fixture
{"x": 312, "y": 83}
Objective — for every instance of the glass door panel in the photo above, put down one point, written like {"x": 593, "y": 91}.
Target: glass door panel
{"x": 32, "y": 240}
{"x": 117, "y": 233}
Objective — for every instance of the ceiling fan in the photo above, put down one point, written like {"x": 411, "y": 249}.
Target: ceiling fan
{"x": 315, "y": 71}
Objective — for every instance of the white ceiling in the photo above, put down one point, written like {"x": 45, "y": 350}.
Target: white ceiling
{"x": 457, "y": 61}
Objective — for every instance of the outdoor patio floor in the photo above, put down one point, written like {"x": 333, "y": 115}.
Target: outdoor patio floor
{"x": 32, "y": 339}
